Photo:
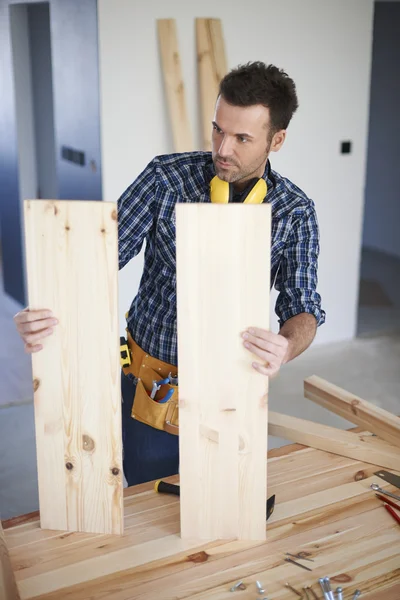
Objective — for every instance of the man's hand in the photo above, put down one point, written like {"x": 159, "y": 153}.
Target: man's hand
{"x": 33, "y": 326}
{"x": 270, "y": 347}
{"x": 276, "y": 349}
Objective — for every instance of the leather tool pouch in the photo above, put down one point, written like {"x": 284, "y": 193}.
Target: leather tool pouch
{"x": 163, "y": 416}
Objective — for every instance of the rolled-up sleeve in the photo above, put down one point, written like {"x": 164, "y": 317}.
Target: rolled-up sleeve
{"x": 297, "y": 276}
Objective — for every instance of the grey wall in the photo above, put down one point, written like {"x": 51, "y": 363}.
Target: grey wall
{"x": 73, "y": 28}
{"x": 382, "y": 195}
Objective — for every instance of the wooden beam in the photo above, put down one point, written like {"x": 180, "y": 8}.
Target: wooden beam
{"x": 212, "y": 67}
{"x": 223, "y": 266}
{"x": 173, "y": 85}
{"x": 71, "y": 250}
{"x": 354, "y": 409}
{"x": 8, "y": 586}
{"x": 359, "y": 446}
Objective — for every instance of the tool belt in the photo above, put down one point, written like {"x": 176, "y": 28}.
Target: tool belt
{"x": 147, "y": 370}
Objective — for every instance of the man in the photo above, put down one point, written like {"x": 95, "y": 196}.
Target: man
{"x": 254, "y": 107}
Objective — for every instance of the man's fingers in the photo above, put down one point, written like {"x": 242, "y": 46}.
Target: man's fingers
{"x": 266, "y": 356}
{"x": 33, "y": 338}
{"x": 265, "y": 370}
{"x": 26, "y": 315}
{"x": 267, "y": 336}
{"x": 30, "y": 349}
{"x": 27, "y": 327}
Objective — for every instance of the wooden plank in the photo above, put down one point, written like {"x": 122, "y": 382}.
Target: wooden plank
{"x": 71, "y": 250}
{"x": 212, "y": 67}
{"x": 173, "y": 85}
{"x": 355, "y": 409}
{"x": 223, "y": 266}
{"x": 8, "y": 586}
{"x": 359, "y": 446}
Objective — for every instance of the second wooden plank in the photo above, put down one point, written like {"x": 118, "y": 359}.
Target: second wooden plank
{"x": 222, "y": 289}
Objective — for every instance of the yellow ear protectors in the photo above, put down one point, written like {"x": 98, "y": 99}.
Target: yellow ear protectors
{"x": 222, "y": 192}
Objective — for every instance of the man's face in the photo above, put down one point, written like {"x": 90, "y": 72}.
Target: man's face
{"x": 241, "y": 141}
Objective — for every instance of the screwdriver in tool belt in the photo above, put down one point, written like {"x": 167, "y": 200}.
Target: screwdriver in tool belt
{"x": 163, "y": 487}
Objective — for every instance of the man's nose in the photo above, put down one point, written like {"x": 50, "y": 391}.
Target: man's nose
{"x": 226, "y": 147}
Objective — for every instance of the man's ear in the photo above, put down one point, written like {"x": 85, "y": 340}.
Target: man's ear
{"x": 278, "y": 140}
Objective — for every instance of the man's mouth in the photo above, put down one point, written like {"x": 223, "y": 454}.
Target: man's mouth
{"x": 224, "y": 163}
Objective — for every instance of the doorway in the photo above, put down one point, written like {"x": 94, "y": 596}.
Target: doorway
{"x": 379, "y": 292}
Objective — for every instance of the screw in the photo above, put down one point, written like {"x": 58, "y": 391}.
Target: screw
{"x": 328, "y": 588}
{"x": 236, "y": 586}
{"x": 339, "y": 592}
{"x": 260, "y": 588}
{"x": 321, "y": 582}
{"x": 357, "y": 594}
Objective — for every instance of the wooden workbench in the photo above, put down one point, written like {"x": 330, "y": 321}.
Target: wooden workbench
{"x": 323, "y": 506}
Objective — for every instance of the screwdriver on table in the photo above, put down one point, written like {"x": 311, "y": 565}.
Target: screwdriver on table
{"x": 163, "y": 487}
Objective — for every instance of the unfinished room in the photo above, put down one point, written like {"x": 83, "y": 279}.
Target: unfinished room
{"x": 199, "y": 300}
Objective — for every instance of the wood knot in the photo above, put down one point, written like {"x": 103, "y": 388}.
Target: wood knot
{"x": 341, "y": 578}
{"x": 198, "y": 557}
{"x": 36, "y": 384}
{"x": 354, "y": 403}
{"x": 359, "y": 476}
{"x": 115, "y": 471}
{"x": 114, "y": 215}
{"x": 88, "y": 443}
{"x": 69, "y": 466}
{"x": 67, "y": 227}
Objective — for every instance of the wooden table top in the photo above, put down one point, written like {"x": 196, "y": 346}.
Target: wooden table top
{"x": 324, "y": 506}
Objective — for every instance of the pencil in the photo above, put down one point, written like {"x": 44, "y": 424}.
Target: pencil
{"x": 393, "y": 513}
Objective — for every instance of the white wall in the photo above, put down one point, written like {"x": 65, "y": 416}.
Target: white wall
{"x": 324, "y": 46}
{"x": 382, "y": 194}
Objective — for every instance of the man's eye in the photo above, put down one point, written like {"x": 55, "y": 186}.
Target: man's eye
{"x": 217, "y": 129}
{"x": 243, "y": 139}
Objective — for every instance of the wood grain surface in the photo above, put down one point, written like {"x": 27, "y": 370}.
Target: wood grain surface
{"x": 223, "y": 283}
{"x": 72, "y": 265}
{"x": 324, "y": 506}
{"x": 174, "y": 85}
{"x": 212, "y": 67}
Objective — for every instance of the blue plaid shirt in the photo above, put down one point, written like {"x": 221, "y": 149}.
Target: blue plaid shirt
{"x": 146, "y": 211}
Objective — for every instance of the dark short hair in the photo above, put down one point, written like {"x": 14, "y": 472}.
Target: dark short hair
{"x": 258, "y": 83}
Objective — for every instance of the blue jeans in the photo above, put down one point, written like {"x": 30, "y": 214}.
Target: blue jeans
{"x": 148, "y": 453}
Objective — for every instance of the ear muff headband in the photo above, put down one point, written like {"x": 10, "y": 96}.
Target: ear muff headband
{"x": 221, "y": 192}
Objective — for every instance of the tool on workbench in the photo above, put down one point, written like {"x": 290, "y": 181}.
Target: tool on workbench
{"x": 290, "y": 560}
{"x": 293, "y": 590}
{"x": 392, "y": 513}
{"x": 357, "y": 594}
{"x": 376, "y": 488}
{"x": 396, "y": 506}
{"x": 260, "y": 589}
{"x": 321, "y": 582}
{"x": 238, "y": 586}
{"x": 222, "y": 192}
{"x": 328, "y": 588}
{"x": 301, "y": 555}
{"x": 163, "y": 487}
{"x": 306, "y": 593}
{"x": 309, "y": 587}
{"x": 389, "y": 477}
{"x": 339, "y": 593}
